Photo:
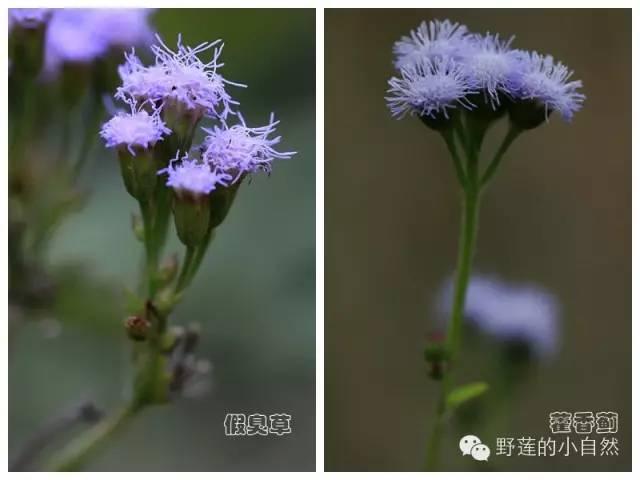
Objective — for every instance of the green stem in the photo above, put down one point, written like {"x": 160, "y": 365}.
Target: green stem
{"x": 466, "y": 247}
{"x": 72, "y": 457}
{"x": 433, "y": 443}
{"x": 448, "y": 136}
{"x": 195, "y": 260}
{"x": 186, "y": 267}
{"x": 151, "y": 251}
{"x": 511, "y": 135}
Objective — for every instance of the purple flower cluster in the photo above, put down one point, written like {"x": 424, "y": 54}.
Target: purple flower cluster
{"x": 182, "y": 89}
{"x": 441, "y": 64}
{"x": 180, "y": 76}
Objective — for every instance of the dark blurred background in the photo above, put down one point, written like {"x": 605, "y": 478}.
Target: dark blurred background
{"x": 254, "y": 296}
{"x": 557, "y": 215}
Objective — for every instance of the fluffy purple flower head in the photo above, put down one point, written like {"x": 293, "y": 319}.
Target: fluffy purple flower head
{"x": 509, "y": 312}
{"x": 547, "y": 82}
{"x": 193, "y": 176}
{"x": 138, "y": 129}
{"x": 80, "y": 35}
{"x": 436, "y": 39}
{"x": 493, "y": 65}
{"x": 180, "y": 76}
{"x": 430, "y": 87}
{"x": 240, "y": 149}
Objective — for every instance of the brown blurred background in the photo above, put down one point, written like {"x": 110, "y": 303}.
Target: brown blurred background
{"x": 557, "y": 215}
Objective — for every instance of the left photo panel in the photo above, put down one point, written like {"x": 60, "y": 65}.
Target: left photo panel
{"x": 161, "y": 228}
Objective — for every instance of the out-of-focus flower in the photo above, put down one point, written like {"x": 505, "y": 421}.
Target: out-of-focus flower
{"x": 547, "y": 82}
{"x": 136, "y": 130}
{"x": 77, "y": 35}
{"x": 180, "y": 76}
{"x": 509, "y": 312}
{"x": 186, "y": 175}
{"x": 28, "y": 17}
{"x": 429, "y": 88}
{"x": 436, "y": 39}
{"x": 241, "y": 150}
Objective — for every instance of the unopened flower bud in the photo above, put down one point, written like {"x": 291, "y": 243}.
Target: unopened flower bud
{"x": 137, "y": 327}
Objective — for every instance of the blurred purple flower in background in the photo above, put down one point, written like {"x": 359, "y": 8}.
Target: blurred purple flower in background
{"x": 28, "y": 17}
{"x": 79, "y": 35}
{"x": 509, "y": 312}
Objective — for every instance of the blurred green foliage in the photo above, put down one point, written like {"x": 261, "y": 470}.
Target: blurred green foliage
{"x": 254, "y": 296}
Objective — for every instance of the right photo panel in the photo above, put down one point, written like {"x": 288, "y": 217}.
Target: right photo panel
{"x": 478, "y": 240}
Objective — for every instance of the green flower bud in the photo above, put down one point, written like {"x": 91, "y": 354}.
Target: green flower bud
{"x": 138, "y": 328}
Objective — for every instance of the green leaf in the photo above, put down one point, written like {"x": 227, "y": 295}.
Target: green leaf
{"x": 464, "y": 393}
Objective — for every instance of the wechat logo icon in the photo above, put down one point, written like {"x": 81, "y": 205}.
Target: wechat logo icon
{"x": 472, "y": 445}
